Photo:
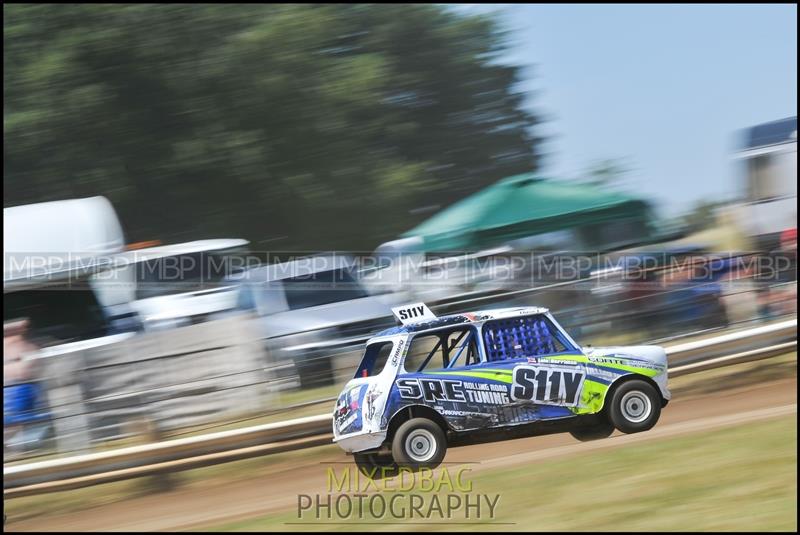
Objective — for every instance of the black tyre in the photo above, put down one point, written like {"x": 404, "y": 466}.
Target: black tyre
{"x": 594, "y": 431}
{"x": 375, "y": 466}
{"x": 419, "y": 443}
{"x": 635, "y": 406}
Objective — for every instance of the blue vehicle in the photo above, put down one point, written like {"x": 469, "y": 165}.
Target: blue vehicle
{"x": 445, "y": 381}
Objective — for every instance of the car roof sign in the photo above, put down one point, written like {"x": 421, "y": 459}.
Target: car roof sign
{"x": 412, "y": 312}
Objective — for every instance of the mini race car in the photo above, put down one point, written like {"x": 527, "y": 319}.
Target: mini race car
{"x": 435, "y": 382}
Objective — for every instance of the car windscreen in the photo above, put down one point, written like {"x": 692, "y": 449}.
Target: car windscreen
{"x": 321, "y": 288}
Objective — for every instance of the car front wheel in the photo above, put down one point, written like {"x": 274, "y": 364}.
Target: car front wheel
{"x": 419, "y": 443}
{"x": 635, "y": 406}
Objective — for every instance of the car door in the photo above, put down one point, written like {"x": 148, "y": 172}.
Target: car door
{"x": 545, "y": 378}
{"x": 483, "y": 385}
{"x": 442, "y": 371}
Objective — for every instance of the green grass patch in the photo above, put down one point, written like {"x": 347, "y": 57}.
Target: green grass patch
{"x": 739, "y": 478}
{"x": 783, "y": 366}
{"x": 68, "y": 501}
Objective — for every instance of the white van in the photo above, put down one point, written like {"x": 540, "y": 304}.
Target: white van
{"x": 51, "y": 251}
{"x": 48, "y": 238}
{"x": 182, "y": 283}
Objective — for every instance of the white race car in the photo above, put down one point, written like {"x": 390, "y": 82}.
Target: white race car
{"x": 486, "y": 376}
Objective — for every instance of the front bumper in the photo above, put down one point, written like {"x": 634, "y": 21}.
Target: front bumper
{"x": 356, "y": 442}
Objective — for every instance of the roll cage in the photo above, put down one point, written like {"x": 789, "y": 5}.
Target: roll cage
{"x": 491, "y": 340}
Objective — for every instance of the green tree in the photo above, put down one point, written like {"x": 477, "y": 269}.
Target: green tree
{"x": 326, "y": 124}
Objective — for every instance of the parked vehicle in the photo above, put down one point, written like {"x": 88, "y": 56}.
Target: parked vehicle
{"x": 183, "y": 283}
{"x": 54, "y": 254}
{"x": 485, "y": 376}
{"x": 662, "y": 291}
{"x": 310, "y": 306}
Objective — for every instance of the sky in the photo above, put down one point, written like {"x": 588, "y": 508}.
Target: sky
{"x": 664, "y": 88}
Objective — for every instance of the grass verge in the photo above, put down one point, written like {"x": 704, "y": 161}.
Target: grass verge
{"x": 739, "y": 478}
{"x": 698, "y": 384}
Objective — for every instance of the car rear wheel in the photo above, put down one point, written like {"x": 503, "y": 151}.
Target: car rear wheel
{"x": 635, "y": 406}
{"x": 419, "y": 443}
{"x": 375, "y": 466}
{"x": 594, "y": 431}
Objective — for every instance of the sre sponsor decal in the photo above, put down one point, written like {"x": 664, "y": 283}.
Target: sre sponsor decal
{"x": 452, "y": 390}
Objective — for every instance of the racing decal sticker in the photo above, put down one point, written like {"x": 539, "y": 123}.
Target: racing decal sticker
{"x": 398, "y": 352}
{"x": 622, "y": 365}
{"x": 373, "y": 393}
{"x": 608, "y": 360}
{"x": 486, "y": 393}
{"x": 348, "y": 410}
{"x": 473, "y": 404}
{"x": 502, "y": 376}
{"x": 451, "y": 390}
{"x": 550, "y": 360}
{"x": 547, "y": 385}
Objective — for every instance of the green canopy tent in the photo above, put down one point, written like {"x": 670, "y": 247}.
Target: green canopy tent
{"x": 522, "y": 206}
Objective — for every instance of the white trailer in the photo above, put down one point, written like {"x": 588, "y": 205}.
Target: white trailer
{"x": 769, "y": 192}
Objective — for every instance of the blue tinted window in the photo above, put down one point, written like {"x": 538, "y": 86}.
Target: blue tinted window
{"x": 527, "y": 336}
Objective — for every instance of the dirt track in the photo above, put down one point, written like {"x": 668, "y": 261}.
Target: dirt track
{"x": 198, "y": 505}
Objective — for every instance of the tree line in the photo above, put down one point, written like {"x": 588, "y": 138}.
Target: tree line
{"x": 299, "y": 127}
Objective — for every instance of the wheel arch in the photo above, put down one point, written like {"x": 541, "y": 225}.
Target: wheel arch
{"x": 619, "y": 381}
{"x": 415, "y": 411}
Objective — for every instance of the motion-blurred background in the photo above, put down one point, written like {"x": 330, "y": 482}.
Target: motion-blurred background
{"x": 208, "y": 208}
